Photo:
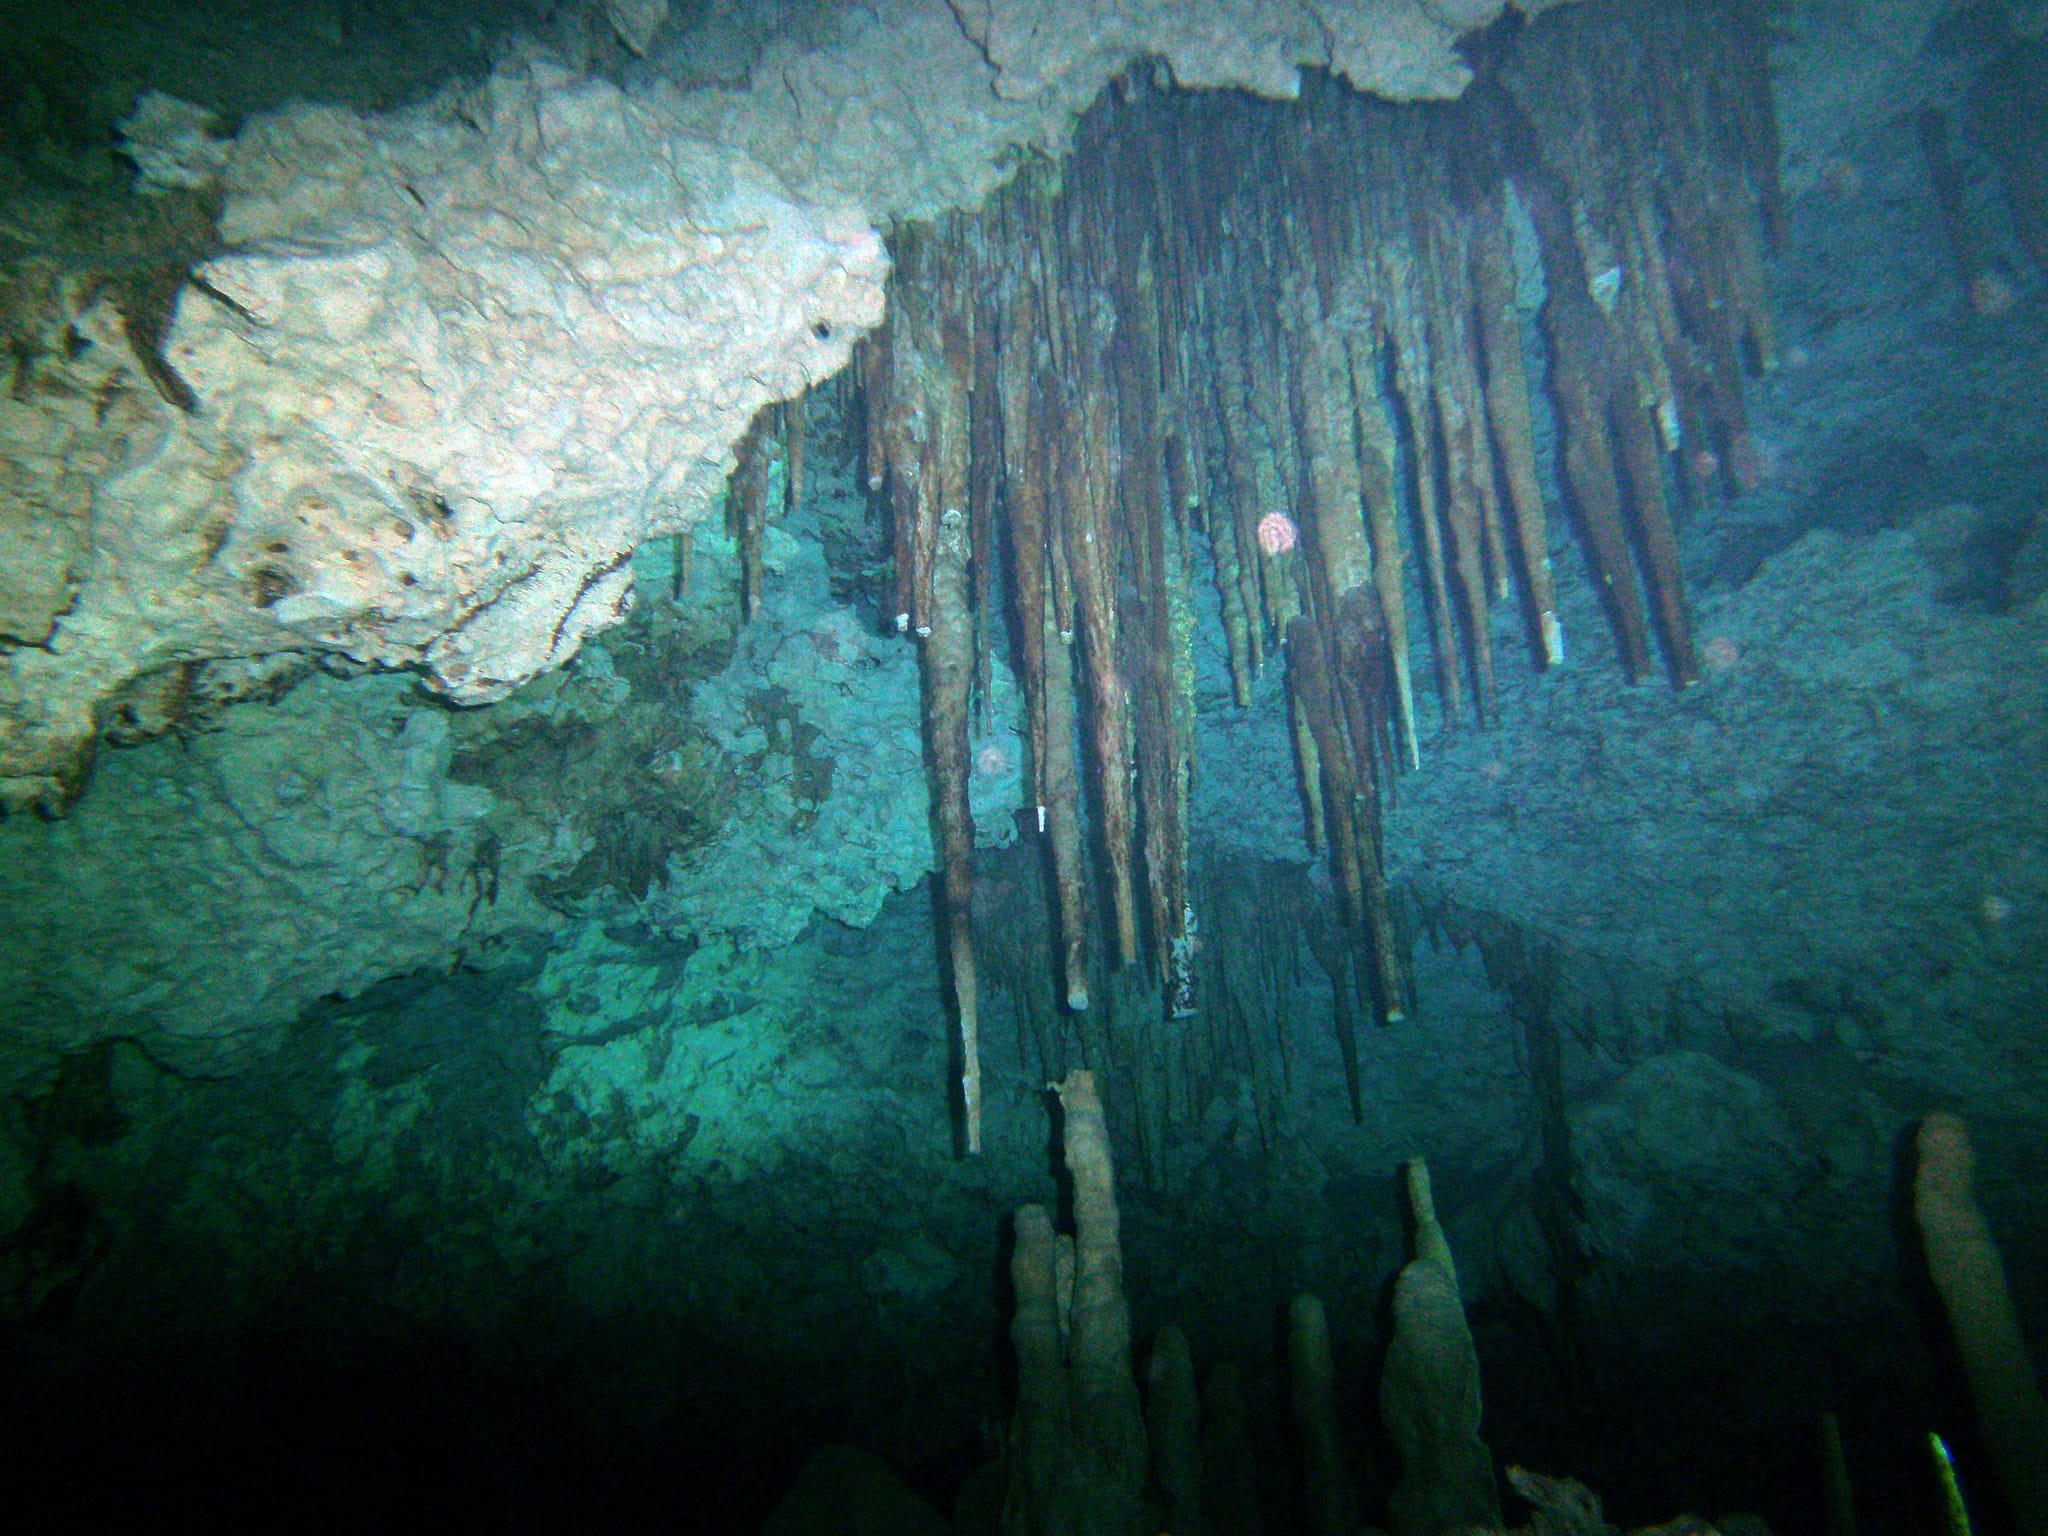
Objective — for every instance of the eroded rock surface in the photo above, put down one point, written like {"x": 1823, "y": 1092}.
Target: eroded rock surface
{"x": 452, "y": 368}
{"x": 458, "y": 361}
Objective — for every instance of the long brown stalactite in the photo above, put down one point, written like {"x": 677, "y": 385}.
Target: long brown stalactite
{"x": 1284, "y": 340}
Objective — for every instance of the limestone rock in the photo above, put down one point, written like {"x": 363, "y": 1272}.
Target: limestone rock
{"x": 849, "y": 1492}
{"x": 1682, "y": 1145}
{"x": 1403, "y": 51}
{"x": 173, "y": 143}
{"x": 636, "y": 21}
{"x": 818, "y": 717}
{"x": 210, "y": 888}
{"x": 458, "y": 361}
{"x": 456, "y": 364}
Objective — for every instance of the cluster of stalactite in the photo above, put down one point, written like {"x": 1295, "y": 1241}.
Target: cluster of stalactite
{"x": 777, "y": 430}
{"x": 1268, "y": 931}
{"x": 1282, "y": 341}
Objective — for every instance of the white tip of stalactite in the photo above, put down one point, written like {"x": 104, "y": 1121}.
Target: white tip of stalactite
{"x": 1667, "y": 425}
{"x": 924, "y": 631}
{"x": 1605, "y": 288}
{"x": 1066, "y": 637}
{"x": 1553, "y": 640}
{"x": 1041, "y": 821}
{"x": 1077, "y": 999}
{"x": 875, "y": 482}
{"x": 902, "y": 623}
{"x": 951, "y": 517}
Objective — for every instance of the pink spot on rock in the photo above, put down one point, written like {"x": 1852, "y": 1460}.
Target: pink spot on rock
{"x": 1992, "y": 293}
{"x": 1277, "y": 533}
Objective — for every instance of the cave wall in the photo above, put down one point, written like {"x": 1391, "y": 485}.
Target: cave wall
{"x": 447, "y": 366}
{"x": 1772, "y": 918}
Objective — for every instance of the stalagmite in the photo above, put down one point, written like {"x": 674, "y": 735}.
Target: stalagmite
{"x": 1173, "y": 1419}
{"x": 1332, "y": 1503}
{"x": 1968, "y": 1272}
{"x": 1077, "y": 1451}
{"x": 1229, "y": 1492}
{"x": 1430, "y": 1391}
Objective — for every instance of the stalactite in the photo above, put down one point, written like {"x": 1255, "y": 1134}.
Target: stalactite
{"x": 1047, "y": 665}
{"x": 1325, "y": 413}
{"x": 925, "y": 447}
{"x": 1247, "y": 497}
{"x": 1308, "y": 764}
{"x": 897, "y": 433}
{"x": 795, "y": 448}
{"x": 1152, "y": 657}
{"x": 679, "y": 574}
{"x": 1332, "y": 667}
{"x": 984, "y": 453}
{"x": 1090, "y": 538}
{"x": 1643, "y": 469}
{"x": 947, "y": 660}
{"x": 1378, "y": 461}
{"x": 1276, "y": 332}
{"x": 1183, "y": 499}
{"x": 872, "y": 358}
{"x": 746, "y": 511}
{"x": 1514, "y": 436}
{"x": 1580, "y": 378}
{"x": 1467, "y": 479}
{"x": 1407, "y": 337}
{"x": 1333, "y": 951}
{"x": 1227, "y": 563}
{"x": 1663, "y": 153}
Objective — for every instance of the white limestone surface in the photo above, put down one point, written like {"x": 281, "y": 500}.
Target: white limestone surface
{"x": 459, "y": 360}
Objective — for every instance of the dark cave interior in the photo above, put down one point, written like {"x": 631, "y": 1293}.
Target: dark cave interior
{"x": 1499, "y": 630}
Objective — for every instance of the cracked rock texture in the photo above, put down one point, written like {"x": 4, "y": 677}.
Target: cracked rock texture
{"x": 457, "y": 361}
{"x": 453, "y": 367}
{"x": 235, "y": 876}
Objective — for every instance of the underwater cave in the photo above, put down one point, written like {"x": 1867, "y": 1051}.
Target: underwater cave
{"x": 777, "y": 765}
